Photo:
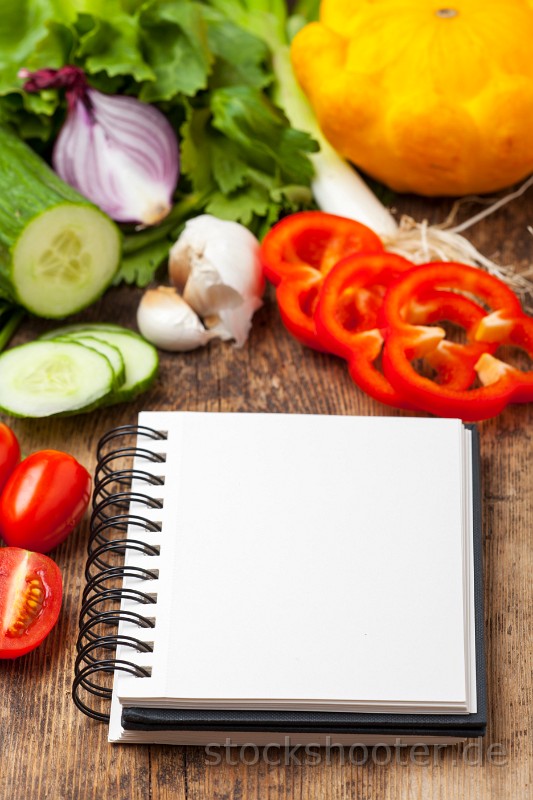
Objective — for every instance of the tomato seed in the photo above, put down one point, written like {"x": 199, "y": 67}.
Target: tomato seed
{"x": 28, "y": 608}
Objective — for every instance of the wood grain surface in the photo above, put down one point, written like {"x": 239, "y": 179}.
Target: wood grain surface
{"x": 50, "y": 751}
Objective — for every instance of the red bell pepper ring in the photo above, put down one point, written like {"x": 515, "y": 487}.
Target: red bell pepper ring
{"x": 454, "y": 363}
{"x": 354, "y": 333}
{"x": 298, "y": 252}
{"x": 313, "y": 239}
{"x": 297, "y": 300}
{"x": 406, "y": 342}
{"x": 346, "y": 318}
{"x": 351, "y": 296}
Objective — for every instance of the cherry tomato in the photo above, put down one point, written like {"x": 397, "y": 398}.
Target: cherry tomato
{"x": 31, "y": 591}
{"x": 9, "y": 453}
{"x": 43, "y": 500}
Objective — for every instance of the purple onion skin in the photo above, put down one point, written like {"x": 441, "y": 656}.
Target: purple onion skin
{"x": 118, "y": 152}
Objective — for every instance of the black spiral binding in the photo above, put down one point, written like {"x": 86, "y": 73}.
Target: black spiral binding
{"x": 118, "y": 468}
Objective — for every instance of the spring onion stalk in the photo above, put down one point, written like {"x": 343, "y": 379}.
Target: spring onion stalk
{"x": 337, "y": 187}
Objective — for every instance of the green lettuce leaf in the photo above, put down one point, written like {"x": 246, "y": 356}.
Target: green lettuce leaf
{"x": 112, "y": 47}
{"x": 241, "y": 59}
{"x": 174, "y": 38}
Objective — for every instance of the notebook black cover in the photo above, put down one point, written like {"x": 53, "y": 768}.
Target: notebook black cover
{"x": 458, "y": 725}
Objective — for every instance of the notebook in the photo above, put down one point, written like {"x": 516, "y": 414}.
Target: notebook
{"x": 285, "y": 574}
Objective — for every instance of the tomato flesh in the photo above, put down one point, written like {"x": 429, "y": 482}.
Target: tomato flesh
{"x": 43, "y": 500}
{"x": 31, "y": 591}
{"x": 9, "y": 453}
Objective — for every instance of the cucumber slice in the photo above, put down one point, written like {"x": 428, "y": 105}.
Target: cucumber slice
{"x": 111, "y": 352}
{"x": 87, "y": 328}
{"x": 58, "y": 251}
{"x": 140, "y": 357}
{"x": 43, "y": 378}
{"x": 64, "y": 259}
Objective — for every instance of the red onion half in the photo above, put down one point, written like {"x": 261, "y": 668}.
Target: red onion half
{"x": 118, "y": 152}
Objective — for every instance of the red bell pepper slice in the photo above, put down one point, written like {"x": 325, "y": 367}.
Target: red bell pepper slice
{"x": 351, "y": 297}
{"x": 297, "y": 300}
{"x": 347, "y": 322}
{"x": 506, "y": 325}
{"x": 346, "y": 318}
{"x": 298, "y": 252}
{"x": 313, "y": 239}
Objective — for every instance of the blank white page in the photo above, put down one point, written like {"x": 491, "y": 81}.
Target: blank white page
{"x": 309, "y": 562}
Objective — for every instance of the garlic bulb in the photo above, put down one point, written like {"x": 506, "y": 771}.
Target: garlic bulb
{"x": 166, "y": 320}
{"x": 215, "y": 264}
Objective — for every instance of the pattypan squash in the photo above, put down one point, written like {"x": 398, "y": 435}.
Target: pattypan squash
{"x": 427, "y": 98}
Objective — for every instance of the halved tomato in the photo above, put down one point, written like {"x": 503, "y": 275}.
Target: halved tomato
{"x": 31, "y": 590}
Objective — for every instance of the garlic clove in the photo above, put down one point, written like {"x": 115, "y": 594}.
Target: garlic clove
{"x": 166, "y": 320}
{"x": 206, "y": 294}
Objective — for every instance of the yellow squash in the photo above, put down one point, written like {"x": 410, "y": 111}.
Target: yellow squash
{"x": 429, "y": 98}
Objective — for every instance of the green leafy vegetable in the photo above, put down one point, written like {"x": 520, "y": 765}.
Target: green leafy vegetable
{"x": 260, "y": 133}
{"x": 208, "y": 65}
{"x": 174, "y": 36}
{"x": 139, "y": 266}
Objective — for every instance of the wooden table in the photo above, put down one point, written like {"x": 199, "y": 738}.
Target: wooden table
{"x": 51, "y": 751}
